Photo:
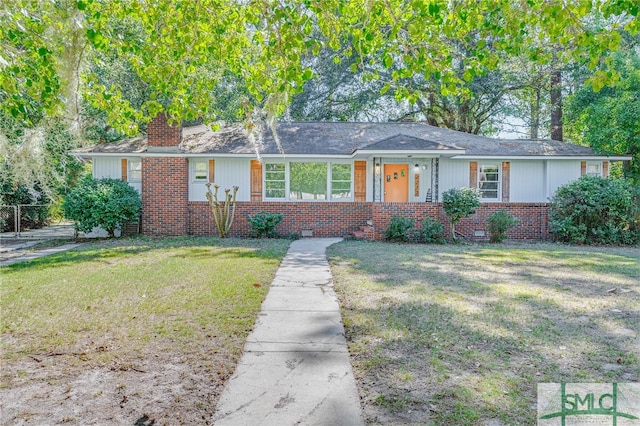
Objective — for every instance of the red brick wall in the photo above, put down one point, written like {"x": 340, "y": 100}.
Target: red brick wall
{"x": 161, "y": 134}
{"x": 165, "y": 196}
{"x": 340, "y": 219}
{"x": 324, "y": 219}
{"x": 532, "y": 218}
{"x": 382, "y": 213}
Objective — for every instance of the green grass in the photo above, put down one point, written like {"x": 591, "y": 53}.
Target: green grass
{"x": 115, "y": 301}
{"x": 462, "y": 334}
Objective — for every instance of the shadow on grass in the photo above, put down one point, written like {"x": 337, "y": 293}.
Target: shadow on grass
{"x": 473, "y": 330}
{"x": 204, "y": 247}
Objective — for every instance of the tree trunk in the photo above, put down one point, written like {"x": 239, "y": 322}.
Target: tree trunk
{"x": 535, "y": 115}
{"x": 556, "y": 105}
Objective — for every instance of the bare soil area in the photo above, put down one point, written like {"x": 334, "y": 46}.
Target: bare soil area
{"x": 162, "y": 388}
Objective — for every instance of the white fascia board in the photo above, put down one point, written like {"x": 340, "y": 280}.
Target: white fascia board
{"x": 209, "y": 155}
{"x": 543, "y": 157}
{"x": 109, "y": 154}
{"x": 307, "y": 156}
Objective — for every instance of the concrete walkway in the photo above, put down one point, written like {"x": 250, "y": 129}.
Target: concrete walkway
{"x": 21, "y": 254}
{"x": 295, "y": 369}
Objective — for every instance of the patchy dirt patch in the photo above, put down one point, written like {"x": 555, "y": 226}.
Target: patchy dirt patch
{"x": 163, "y": 388}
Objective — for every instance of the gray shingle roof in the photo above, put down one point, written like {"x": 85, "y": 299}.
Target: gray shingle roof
{"x": 404, "y": 142}
{"x": 344, "y": 138}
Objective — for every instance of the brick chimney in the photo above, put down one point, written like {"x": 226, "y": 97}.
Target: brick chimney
{"x": 161, "y": 135}
{"x": 165, "y": 181}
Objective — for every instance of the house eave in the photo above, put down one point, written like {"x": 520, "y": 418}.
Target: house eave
{"x": 174, "y": 154}
{"x": 543, "y": 157}
{"x": 354, "y": 155}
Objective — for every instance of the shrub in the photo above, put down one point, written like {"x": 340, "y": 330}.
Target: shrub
{"x": 398, "y": 229}
{"x": 459, "y": 203}
{"x": 499, "y": 223}
{"x": 431, "y": 231}
{"x": 264, "y": 224}
{"x": 595, "y": 210}
{"x": 106, "y": 203}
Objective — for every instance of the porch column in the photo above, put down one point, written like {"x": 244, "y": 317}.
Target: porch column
{"x": 377, "y": 180}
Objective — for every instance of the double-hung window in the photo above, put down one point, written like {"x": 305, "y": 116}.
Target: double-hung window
{"x": 135, "y": 171}
{"x": 340, "y": 181}
{"x": 275, "y": 180}
{"x": 200, "y": 171}
{"x": 593, "y": 169}
{"x": 489, "y": 183}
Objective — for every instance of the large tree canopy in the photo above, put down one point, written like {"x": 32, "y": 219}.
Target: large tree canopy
{"x": 182, "y": 50}
{"x": 609, "y": 120}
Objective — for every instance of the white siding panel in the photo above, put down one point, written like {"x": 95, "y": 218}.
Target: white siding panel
{"x": 560, "y": 172}
{"x": 111, "y": 167}
{"x": 235, "y": 172}
{"x": 453, "y": 174}
{"x": 527, "y": 182}
{"x": 229, "y": 172}
{"x": 370, "y": 176}
{"x": 106, "y": 167}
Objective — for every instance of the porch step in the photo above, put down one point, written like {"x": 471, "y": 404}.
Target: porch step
{"x": 358, "y": 234}
{"x": 365, "y": 232}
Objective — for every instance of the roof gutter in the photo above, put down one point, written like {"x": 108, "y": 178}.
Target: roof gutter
{"x": 544, "y": 157}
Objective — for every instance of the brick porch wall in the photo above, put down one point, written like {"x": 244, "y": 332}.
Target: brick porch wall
{"x": 532, "y": 218}
{"x": 340, "y": 219}
{"x": 324, "y": 219}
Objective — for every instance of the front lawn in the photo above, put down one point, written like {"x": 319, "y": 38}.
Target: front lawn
{"x": 133, "y": 330}
{"x": 461, "y": 334}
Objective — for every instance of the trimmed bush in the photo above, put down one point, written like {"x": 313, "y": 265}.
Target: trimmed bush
{"x": 398, "y": 229}
{"x": 106, "y": 203}
{"x": 595, "y": 210}
{"x": 499, "y": 222}
{"x": 264, "y": 224}
{"x": 431, "y": 231}
{"x": 459, "y": 203}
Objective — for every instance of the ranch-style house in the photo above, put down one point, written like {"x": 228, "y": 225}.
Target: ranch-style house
{"x": 339, "y": 178}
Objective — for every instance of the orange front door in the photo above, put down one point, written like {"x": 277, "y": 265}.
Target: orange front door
{"x": 396, "y": 183}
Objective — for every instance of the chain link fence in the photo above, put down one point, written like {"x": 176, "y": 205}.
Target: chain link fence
{"x": 8, "y": 219}
{"x": 32, "y": 221}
